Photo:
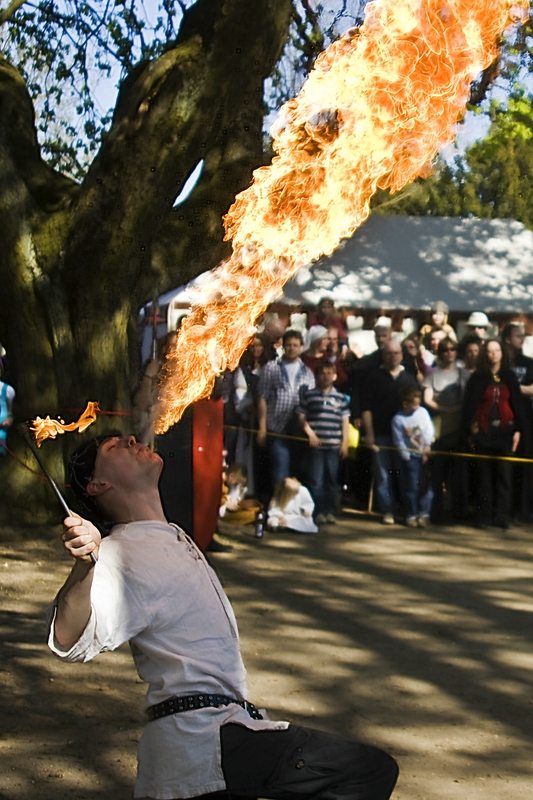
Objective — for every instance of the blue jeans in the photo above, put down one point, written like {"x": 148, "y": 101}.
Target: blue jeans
{"x": 417, "y": 499}
{"x": 323, "y": 471}
{"x": 284, "y": 457}
{"x": 385, "y": 465}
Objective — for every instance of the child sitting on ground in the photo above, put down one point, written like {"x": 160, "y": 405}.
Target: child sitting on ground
{"x": 235, "y": 508}
{"x": 291, "y": 508}
{"x": 413, "y": 433}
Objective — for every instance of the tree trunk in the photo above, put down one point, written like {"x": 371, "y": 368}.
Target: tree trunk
{"x": 77, "y": 261}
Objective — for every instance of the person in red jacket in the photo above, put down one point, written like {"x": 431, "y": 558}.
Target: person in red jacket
{"x": 492, "y": 422}
{"x": 328, "y": 316}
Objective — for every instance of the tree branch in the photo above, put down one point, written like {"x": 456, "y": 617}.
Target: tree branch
{"x": 49, "y": 190}
{"x": 8, "y": 12}
{"x": 481, "y": 87}
{"x": 200, "y": 99}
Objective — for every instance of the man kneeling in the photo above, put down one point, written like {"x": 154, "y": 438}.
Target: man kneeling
{"x": 151, "y": 586}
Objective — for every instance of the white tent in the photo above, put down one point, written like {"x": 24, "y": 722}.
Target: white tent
{"x": 409, "y": 262}
{"x": 398, "y": 262}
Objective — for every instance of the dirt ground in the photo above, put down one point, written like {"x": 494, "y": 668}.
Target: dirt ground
{"x": 419, "y": 643}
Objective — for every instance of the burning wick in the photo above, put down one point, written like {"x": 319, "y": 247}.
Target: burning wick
{"x": 49, "y": 428}
{"x": 24, "y": 430}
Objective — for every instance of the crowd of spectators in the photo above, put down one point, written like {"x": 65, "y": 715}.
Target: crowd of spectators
{"x": 437, "y": 418}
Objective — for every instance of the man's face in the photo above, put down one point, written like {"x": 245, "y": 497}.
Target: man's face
{"x": 126, "y": 464}
{"x": 383, "y": 335}
{"x": 392, "y": 355}
{"x": 293, "y": 348}
{"x": 448, "y": 353}
{"x": 516, "y": 338}
{"x": 471, "y": 354}
{"x": 333, "y": 341}
{"x": 480, "y": 330}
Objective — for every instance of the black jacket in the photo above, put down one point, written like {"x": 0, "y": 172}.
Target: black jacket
{"x": 475, "y": 389}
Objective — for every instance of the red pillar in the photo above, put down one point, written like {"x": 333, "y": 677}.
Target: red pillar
{"x": 207, "y": 447}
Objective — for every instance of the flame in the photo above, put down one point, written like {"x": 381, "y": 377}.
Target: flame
{"x": 378, "y": 105}
{"x": 49, "y": 428}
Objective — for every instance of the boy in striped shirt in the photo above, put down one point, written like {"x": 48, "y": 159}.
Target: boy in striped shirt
{"x": 324, "y": 413}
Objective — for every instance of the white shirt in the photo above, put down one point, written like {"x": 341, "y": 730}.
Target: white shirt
{"x": 153, "y": 588}
{"x": 292, "y": 371}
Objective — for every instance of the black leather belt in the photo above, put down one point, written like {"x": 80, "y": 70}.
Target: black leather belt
{"x": 192, "y": 702}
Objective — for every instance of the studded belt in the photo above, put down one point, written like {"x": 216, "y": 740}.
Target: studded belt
{"x": 192, "y": 702}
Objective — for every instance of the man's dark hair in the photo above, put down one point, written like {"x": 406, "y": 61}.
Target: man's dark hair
{"x": 292, "y": 335}
{"x": 470, "y": 338}
{"x": 81, "y": 469}
{"x": 508, "y": 329}
{"x": 445, "y": 343}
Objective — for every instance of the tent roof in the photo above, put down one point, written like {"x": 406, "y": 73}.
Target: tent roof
{"x": 410, "y": 262}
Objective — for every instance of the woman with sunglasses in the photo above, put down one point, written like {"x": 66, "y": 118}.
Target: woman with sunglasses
{"x": 492, "y": 424}
{"x": 444, "y": 388}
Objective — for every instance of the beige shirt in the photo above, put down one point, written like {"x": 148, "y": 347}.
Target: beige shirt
{"x": 153, "y": 588}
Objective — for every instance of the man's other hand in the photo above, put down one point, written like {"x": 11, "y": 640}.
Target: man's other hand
{"x": 80, "y": 538}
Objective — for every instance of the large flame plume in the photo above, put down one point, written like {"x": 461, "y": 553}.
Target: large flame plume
{"x": 377, "y": 107}
{"x": 49, "y": 428}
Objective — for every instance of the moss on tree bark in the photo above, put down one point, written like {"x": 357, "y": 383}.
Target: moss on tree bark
{"x": 77, "y": 260}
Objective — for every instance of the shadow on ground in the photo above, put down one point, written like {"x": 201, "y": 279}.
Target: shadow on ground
{"x": 418, "y": 642}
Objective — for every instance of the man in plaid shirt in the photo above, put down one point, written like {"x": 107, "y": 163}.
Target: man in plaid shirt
{"x": 280, "y": 386}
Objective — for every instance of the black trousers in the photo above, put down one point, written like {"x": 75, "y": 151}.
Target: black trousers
{"x": 302, "y": 764}
{"x": 494, "y": 494}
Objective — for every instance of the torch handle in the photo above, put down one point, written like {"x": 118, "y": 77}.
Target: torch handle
{"x": 24, "y": 432}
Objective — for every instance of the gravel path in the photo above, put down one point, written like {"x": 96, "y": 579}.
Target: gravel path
{"x": 420, "y": 643}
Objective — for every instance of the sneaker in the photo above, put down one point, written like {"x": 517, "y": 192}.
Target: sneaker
{"x": 331, "y": 519}
{"x": 321, "y": 519}
{"x": 423, "y": 522}
{"x": 388, "y": 519}
{"x": 411, "y": 522}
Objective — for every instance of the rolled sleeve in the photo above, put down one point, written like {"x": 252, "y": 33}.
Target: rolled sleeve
{"x": 87, "y": 646}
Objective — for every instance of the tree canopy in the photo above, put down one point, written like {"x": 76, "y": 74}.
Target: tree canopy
{"x": 88, "y": 220}
{"x": 494, "y": 176}
{"x": 72, "y": 53}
